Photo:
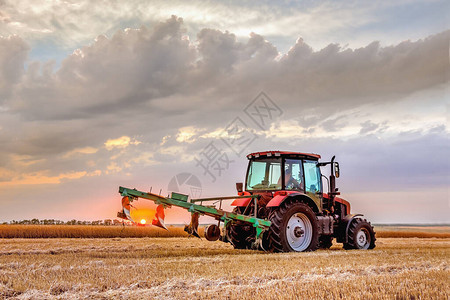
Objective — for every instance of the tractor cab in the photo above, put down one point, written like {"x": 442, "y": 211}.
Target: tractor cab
{"x": 276, "y": 170}
{"x": 273, "y": 173}
{"x": 292, "y": 172}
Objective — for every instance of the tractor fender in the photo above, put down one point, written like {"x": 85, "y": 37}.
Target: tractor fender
{"x": 278, "y": 199}
{"x": 346, "y": 221}
{"x": 241, "y": 201}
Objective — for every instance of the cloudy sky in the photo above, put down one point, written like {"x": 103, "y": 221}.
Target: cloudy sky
{"x": 97, "y": 94}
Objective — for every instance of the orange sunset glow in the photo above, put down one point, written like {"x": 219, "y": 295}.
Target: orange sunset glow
{"x": 143, "y": 214}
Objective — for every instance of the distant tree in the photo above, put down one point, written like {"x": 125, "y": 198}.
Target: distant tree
{"x": 35, "y": 221}
{"x": 107, "y": 222}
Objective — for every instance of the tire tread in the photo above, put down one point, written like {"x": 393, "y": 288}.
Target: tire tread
{"x": 358, "y": 222}
{"x": 275, "y": 230}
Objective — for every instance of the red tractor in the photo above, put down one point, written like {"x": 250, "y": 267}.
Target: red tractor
{"x": 283, "y": 207}
{"x": 286, "y": 189}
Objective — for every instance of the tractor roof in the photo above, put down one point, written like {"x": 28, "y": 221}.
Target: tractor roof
{"x": 284, "y": 153}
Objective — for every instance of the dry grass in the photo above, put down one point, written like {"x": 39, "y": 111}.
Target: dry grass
{"x": 182, "y": 268}
{"x": 412, "y": 234}
{"x": 88, "y": 231}
{"x": 413, "y": 231}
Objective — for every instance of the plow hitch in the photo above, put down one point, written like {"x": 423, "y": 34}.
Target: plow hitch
{"x": 212, "y": 232}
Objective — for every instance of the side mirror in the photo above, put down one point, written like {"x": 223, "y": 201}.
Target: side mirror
{"x": 336, "y": 169}
{"x": 239, "y": 186}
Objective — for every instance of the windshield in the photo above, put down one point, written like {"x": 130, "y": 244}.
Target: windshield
{"x": 264, "y": 174}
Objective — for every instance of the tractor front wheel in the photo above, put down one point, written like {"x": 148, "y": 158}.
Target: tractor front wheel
{"x": 360, "y": 235}
{"x": 294, "y": 228}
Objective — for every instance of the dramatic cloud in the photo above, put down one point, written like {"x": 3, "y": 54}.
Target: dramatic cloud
{"x": 140, "y": 105}
{"x": 68, "y": 24}
{"x": 13, "y": 52}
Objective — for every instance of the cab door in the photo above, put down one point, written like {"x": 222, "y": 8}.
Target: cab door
{"x": 313, "y": 181}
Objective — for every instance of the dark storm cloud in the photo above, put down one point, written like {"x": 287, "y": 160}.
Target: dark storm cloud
{"x": 133, "y": 69}
{"x": 339, "y": 78}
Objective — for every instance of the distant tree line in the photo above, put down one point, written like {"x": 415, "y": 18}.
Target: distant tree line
{"x": 106, "y": 222}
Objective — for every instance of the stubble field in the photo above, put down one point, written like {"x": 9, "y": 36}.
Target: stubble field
{"x": 189, "y": 268}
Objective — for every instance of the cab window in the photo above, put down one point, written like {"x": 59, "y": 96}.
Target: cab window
{"x": 312, "y": 176}
{"x": 293, "y": 174}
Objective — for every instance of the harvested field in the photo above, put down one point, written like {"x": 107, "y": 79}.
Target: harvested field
{"x": 413, "y": 231}
{"x": 90, "y": 231}
{"x": 189, "y": 268}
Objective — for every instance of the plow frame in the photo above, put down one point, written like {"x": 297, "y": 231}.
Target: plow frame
{"x": 180, "y": 200}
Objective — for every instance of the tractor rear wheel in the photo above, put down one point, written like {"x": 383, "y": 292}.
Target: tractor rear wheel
{"x": 325, "y": 241}
{"x": 294, "y": 228}
{"x": 241, "y": 234}
{"x": 360, "y": 235}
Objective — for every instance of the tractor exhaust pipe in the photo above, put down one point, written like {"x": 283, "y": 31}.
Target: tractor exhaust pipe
{"x": 332, "y": 177}
{"x": 332, "y": 184}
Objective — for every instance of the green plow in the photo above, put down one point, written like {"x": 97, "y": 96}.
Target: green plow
{"x": 181, "y": 200}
